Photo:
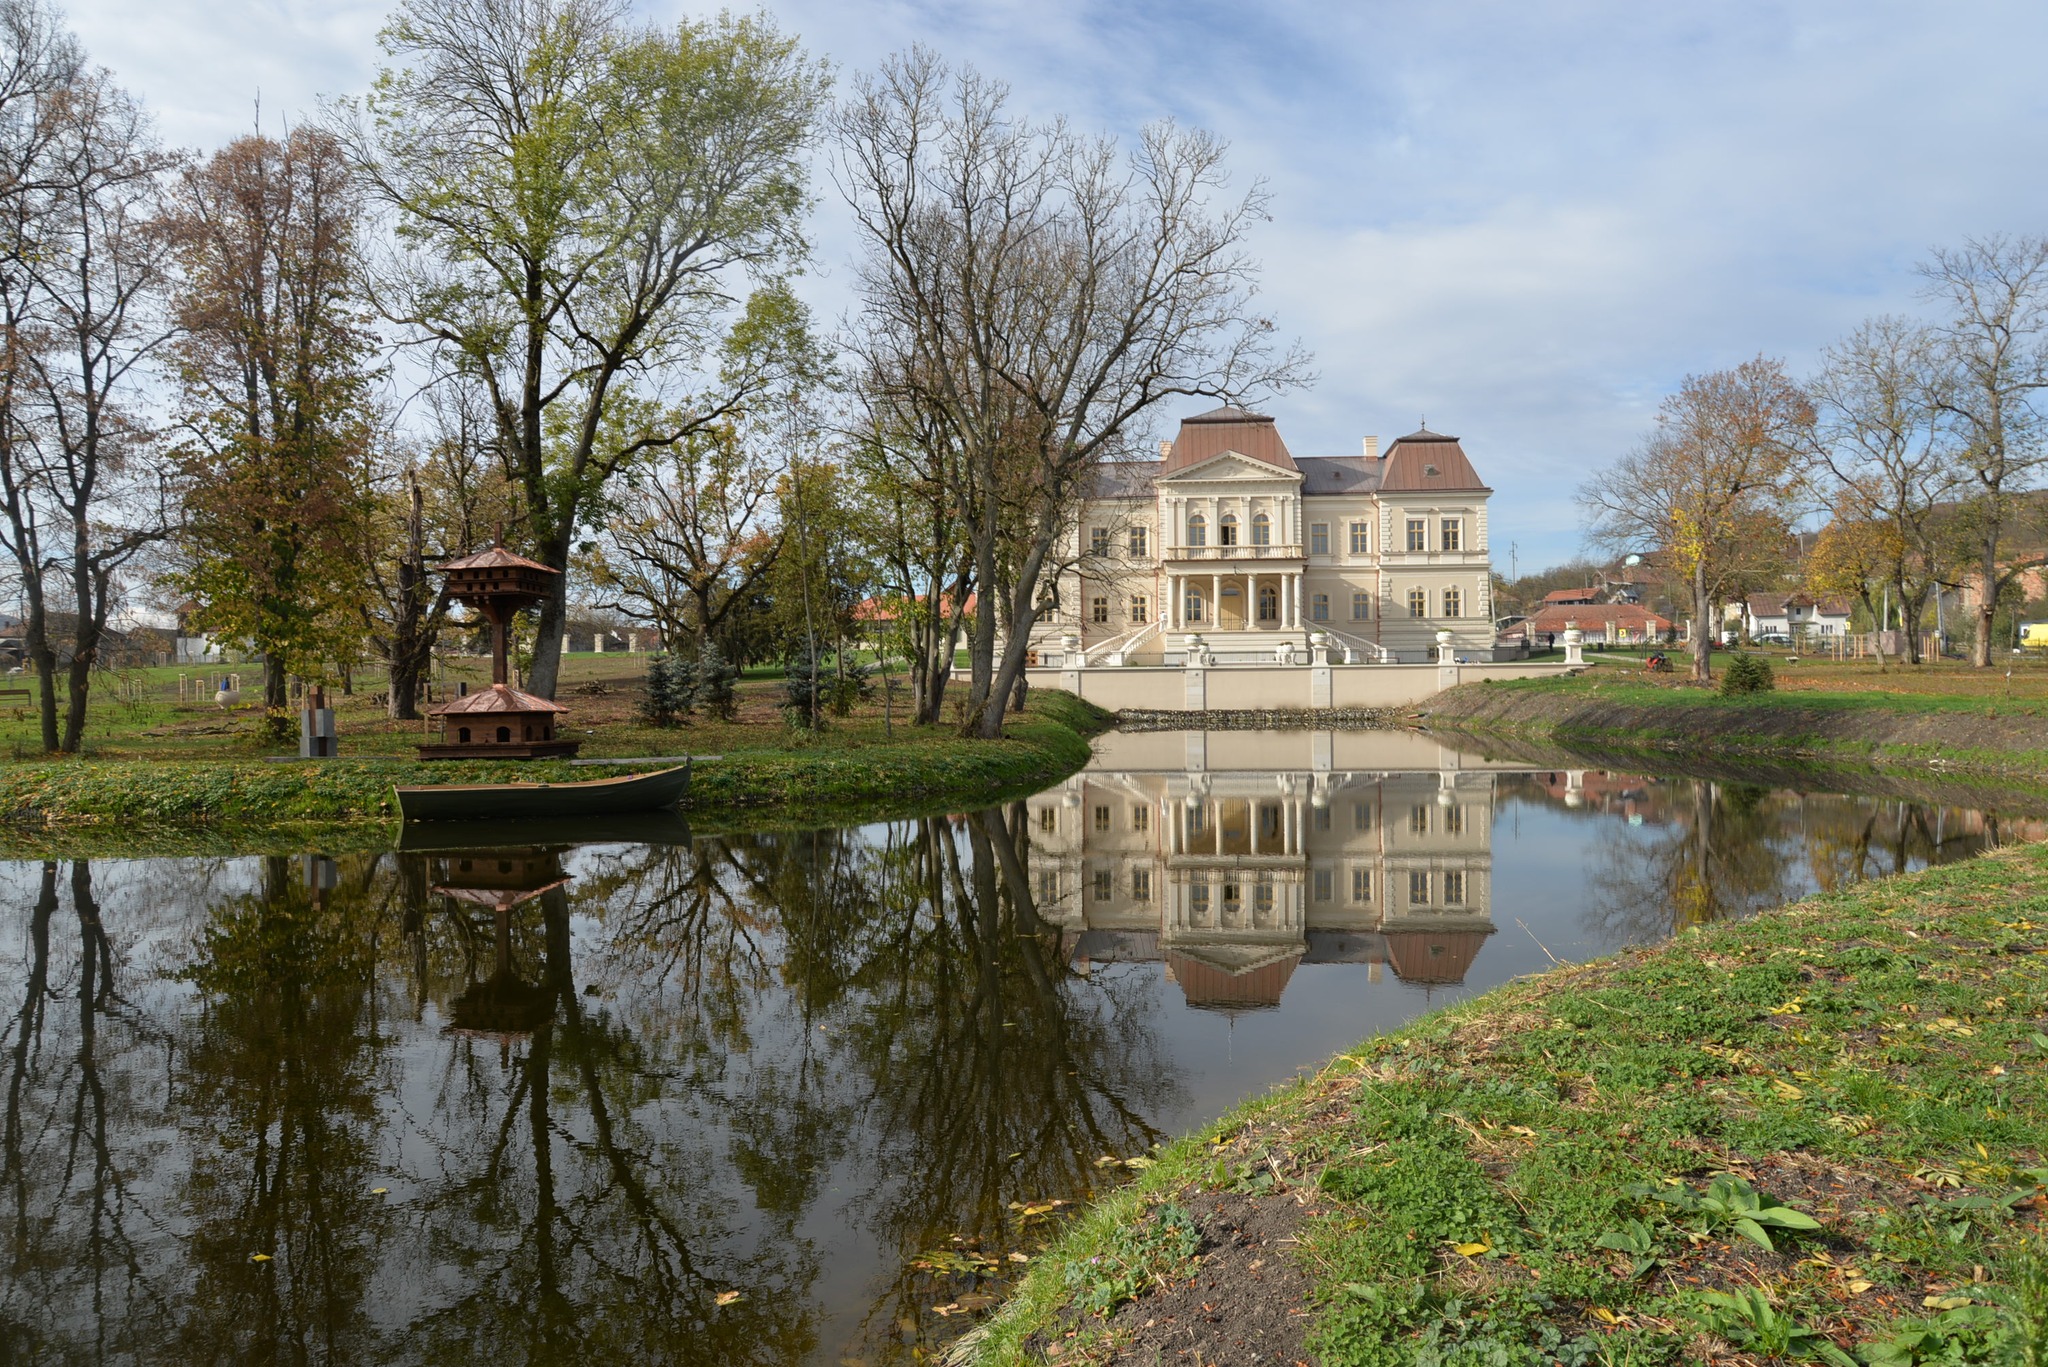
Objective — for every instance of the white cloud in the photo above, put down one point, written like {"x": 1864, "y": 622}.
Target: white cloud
{"x": 1527, "y": 221}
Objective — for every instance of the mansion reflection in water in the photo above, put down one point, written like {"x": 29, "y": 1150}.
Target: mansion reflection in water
{"x": 1231, "y": 858}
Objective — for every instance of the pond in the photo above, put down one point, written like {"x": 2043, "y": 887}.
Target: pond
{"x": 784, "y": 1097}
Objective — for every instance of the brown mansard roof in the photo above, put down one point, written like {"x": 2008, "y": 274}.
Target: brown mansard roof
{"x": 496, "y": 558}
{"x": 497, "y": 698}
{"x": 1227, "y": 429}
{"x": 1429, "y": 462}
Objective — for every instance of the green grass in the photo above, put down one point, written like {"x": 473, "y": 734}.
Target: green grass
{"x": 841, "y": 771}
{"x": 1535, "y": 1176}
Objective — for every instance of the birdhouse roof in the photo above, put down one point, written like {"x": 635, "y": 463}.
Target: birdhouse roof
{"x": 498, "y": 698}
{"x": 496, "y": 558}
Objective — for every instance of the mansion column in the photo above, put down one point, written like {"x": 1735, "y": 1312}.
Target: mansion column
{"x": 1215, "y": 602}
{"x": 1298, "y": 598}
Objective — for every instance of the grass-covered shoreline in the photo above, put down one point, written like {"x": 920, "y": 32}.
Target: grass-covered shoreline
{"x": 1559, "y": 1171}
{"x": 61, "y": 805}
{"x": 1895, "y": 722}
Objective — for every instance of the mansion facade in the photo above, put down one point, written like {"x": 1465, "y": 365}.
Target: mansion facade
{"x": 1230, "y": 539}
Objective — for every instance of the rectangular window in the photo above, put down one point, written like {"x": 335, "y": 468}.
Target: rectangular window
{"x": 1324, "y": 885}
{"x": 1318, "y": 538}
{"x": 1361, "y": 606}
{"x": 1454, "y": 603}
{"x": 1048, "y": 885}
{"x": 1102, "y": 820}
{"x": 1361, "y": 816}
{"x": 1141, "y": 818}
{"x": 1048, "y": 820}
{"x": 1141, "y": 885}
{"x": 1360, "y": 541}
{"x": 1453, "y": 534}
{"x": 1454, "y": 821}
{"x": 1454, "y": 887}
{"x": 1141, "y": 543}
{"x": 1098, "y": 611}
{"x": 1196, "y": 820}
{"x": 1418, "y": 534}
{"x": 1418, "y": 887}
{"x": 1418, "y": 819}
{"x": 1361, "y": 885}
{"x": 1104, "y": 885}
{"x": 1319, "y": 607}
{"x": 1418, "y": 603}
{"x": 1198, "y": 902}
{"x": 1322, "y": 818}
{"x": 1262, "y": 897}
{"x": 1193, "y": 611}
{"x": 1098, "y": 540}
{"x": 1141, "y": 608}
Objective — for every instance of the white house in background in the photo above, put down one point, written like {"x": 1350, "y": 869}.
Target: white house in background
{"x": 1791, "y": 614}
{"x": 1231, "y": 536}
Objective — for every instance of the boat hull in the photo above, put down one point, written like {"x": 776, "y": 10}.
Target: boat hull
{"x": 543, "y": 801}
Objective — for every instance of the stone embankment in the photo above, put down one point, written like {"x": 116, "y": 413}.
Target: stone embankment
{"x": 1264, "y": 719}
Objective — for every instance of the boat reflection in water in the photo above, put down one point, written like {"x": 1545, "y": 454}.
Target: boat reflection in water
{"x": 1233, "y": 857}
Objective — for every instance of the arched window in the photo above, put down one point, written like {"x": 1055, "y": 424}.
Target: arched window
{"x": 1262, "y": 530}
{"x": 1418, "y": 603}
{"x": 462, "y": 735}
{"x": 1454, "y": 603}
{"x": 1226, "y": 530}
{"x": 504, "y": 735}
{"x": 1269, "y": 601}
{"x": 1198, "y": 530}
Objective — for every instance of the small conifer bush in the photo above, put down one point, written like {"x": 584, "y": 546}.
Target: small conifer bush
{"x": 1747, "y": 674}
{"x": 715, "y": 681}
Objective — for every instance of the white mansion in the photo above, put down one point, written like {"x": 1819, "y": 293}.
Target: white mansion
{"x": 1231, "y": 537}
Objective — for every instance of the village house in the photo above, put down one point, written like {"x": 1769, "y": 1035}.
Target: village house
{"x": 1790, "y": 615}
{"x": 1603, "y": 624}
{"x": 1232, "y": 541}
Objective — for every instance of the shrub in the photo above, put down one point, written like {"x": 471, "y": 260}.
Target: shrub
{"x": 715, "y": 680}
{"x": 1747, "y": 674}
{"x": 671, "y": 690}
{"x": 803, "y": 693}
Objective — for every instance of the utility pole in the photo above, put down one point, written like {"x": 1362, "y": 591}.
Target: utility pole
{"x": 1514, "y": 561}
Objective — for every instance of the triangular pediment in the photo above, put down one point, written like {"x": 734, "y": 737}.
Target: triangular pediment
{"x": 1231, "y": 465}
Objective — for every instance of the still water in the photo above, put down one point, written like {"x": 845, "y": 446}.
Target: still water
{"x": 787, "y": 1097}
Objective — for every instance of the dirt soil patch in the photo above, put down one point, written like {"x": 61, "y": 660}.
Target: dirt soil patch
{"x": 1246, "y": 1305}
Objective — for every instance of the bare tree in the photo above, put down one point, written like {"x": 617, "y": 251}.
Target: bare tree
{"x": 1709, "y": 487}
{"x": 82, "y": 493}
{"x": 1037, "y": 293}
{"x": 692, "y": 535}
{"x": 578, "y": 202}
{"x": 1994, "y": 348}
{"x": 1881, "y": 444}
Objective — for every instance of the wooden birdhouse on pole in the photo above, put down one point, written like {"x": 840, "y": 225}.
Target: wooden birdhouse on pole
{"x": 500, "y": 722}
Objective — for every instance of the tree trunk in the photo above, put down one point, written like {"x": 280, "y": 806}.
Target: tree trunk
{"x": 1987, "y": 608}
{"x": 1909, "y": 618}
{"x": 544, "y": 677}
{"x": 1703, "y": 629}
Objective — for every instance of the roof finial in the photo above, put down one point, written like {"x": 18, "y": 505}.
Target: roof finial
{"x": 1425, "y": 422}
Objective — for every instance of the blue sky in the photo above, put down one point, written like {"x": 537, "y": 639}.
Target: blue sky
{"x": 1527, "y": 222}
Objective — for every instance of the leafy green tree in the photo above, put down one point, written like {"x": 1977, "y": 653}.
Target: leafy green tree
{"x": 274, "y": 368}
{"x": 576, "y": 200}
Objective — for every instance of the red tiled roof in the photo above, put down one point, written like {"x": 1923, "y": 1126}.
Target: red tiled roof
{"x": 1208, "y": 986}
{"x": 497, "y": 698}
{"x": 1607, "y": 615}
{"x": 1428, "y": 462}
{"x": 1227, "y": 429}
{"x": 1571, "y": 595}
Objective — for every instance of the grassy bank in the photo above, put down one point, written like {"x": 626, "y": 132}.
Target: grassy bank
{"x": 45, "y": 800}
{"x": 1945, "y": 718}
{"x": 1815, "y": 1136}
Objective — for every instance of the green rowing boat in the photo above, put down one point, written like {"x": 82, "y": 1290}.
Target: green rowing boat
{"x": 528, "y": 801}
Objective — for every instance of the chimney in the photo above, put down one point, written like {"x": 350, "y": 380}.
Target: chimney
{"x": 1165, "y": 450}
{"x": 1372, "y": 448}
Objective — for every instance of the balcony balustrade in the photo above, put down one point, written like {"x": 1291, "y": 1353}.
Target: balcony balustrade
{"x": 1205, "y": 553}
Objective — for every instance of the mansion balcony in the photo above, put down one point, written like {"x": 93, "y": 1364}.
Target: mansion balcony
{"x": 1213, "y": 554}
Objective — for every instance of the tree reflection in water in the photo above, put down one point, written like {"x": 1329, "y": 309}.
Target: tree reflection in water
{"x": 595, "y": 1102}
{"x": 1699, "y": 850}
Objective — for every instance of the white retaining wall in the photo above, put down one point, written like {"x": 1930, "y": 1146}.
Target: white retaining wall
{"x": 1242, "y": 687}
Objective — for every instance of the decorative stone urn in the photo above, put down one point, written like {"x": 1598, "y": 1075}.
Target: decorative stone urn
{"x": 1319, "y": 647}
{"x": 1070, "y": 650}
{"x": 1574, "y": 641}
{"x": 1198, "y": 650}
{"x": 1443, "y": 647}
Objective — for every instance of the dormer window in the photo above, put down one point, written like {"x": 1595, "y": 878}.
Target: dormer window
{"x": 1226, "y": 530}
{"x": 1198, "y": 530}
{"x": 1429, "y": 472}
